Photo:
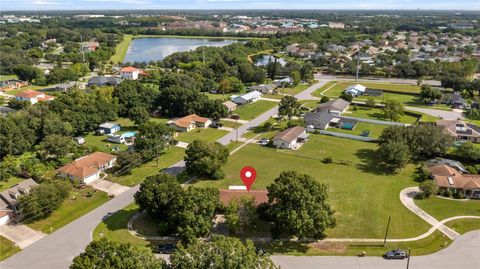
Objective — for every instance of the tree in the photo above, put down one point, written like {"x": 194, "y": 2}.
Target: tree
{"x": 206, "y": 159}
{"x": 139, "y": 115}
{"x": 429, "y": 93}
{"x": 346, "y": 96}
{"x": 220, "y": 253}
{"x": 370, "y": 102}
{"x": 393, "y": 110}
{"x": 157, "y": 194}
{"x": 296, "y": 77}
{"x": 395, "y": 154}
{"x": 231, "y": 84}
{"x": 152, "y": 139}
{"x": 42, "y": 200}
{"x": 324, "y": 99}
{"x": 105, "y": 254}
{"x": 299, "y": 207}
{"x": 289, "y": 107}
{"x": 468, "y": 151}
{"x": 240, "y": 214}
{"x": 56, "y": 146}
{"x": 27, "y": 72}
{"x": 428, "y": 187}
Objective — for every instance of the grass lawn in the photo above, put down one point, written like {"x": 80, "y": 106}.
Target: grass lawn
{"x": 7, "y": 77}
{"x": 100, "y": 141}
{"x": 121, "y": 49}
{"x": 171, "y": 156}
{"x": 71, "y": 209}
{"x": 115, "y": 227}
{"x": 9, "y": 183}
{"x": 375, "y": 129}
{"x": 376, "y": 114}
{"x": 311, "y": 104}
{"x": 252, "y": 110}
{"x": 443, "y": 208}
{"x": 230, "y": 124}
{"x": 359, "y": 189}
{"x": 217, "y": 96}
{"x": 293, "y": 90}
{"x": 327, "y": 85}
{"x": 7, "y": 248}
{"x": 464, "y": 225}
{"x": 432, "y": 243}
{"x": 29, "y": 87}
{"x": 207, "y": 134}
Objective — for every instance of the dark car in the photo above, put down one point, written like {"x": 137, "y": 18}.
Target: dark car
{"x": 396, "y": 254}
{"x": 235, "y": 117}
{"x": 165, "y": 249}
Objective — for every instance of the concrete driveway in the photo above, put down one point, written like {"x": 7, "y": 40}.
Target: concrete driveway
{"x": 21, "y": 235}
{"x": 444, "y": 114}
{"x": 109, "y": 187}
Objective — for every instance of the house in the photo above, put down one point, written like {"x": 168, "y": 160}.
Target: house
{"x": 65, "y": 86}
{"x": 461, "y": 130}
{"x": 9, "y": 197}
{"x": 87, "y": 168}
{"x": 189, "y": 123}
{"x": 335, "y": 107}
{"x": 4, "y": 216}
{"x": 264, "y": 88}
{"x": 4, "y": 110}
{"x": 108, "y": 128}
{"x": 90, "y": 46}
{"x": 79, "y": 140}
{"x": 284, "y": 82}
{"x": 12, "y": 84}
{"x": 33, "y": 96}
{"x": 130, "y": 72}
{"x": 447, "y": 177}
{"x": 231, "y": 106}
{"x": 457, "y": 101}
{"x": 336, "y": 25}
{"x": 291, "y": 138}
{"x": 318, "y": 120}
{"x": 250, "y": 97}
{"x": 356, "y": 90}
{"x": 452, "y": 163}
{"x": 259, "y": 196}
{"x": 103, "y": 81}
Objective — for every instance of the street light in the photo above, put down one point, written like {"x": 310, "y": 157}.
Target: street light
{"x": 408, "y": 258}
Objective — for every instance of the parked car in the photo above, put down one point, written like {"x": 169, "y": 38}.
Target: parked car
{"x": 235, "y": 117}
{"x": 396, "y": 254}
{"x": 263, "y": 141}
{"x": 216, "y": 125}
{"x": 165, "y": 248}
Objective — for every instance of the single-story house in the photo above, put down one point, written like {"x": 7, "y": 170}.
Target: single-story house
{"x": 12, "y": 84}
{"x": 88, "y": 168}
{"x": 189, "y": 123}
{"x": 356, "y": 90}
{"x": 90, "y": 46}
{"x": 9, "y": 197}
{"x": 283, "y": 82}
{"x": 291, "y": 138}
{"x": 457, "y": 101}
{"x": 103, "y": 81}
{"x": 335, "y": 107}
{"x": 33, "y": 96}
{"x": 461, "y": 130}
{"x": 65, "y": 86}
{"x": 318, "y": 120}
{"x": 447, "y": 177}
{"x": 231, "y": 106}
{"x": 79, "y": 140}
{"x": 130, "y": 72}
{"x": 246, "y": 98}
{"x": 264, "y": 88}
{"x": 452, "y": 163}
{"x": 109, "y": 127}
{"x": 259, "y": 196}
{"x": 4, "y": 110}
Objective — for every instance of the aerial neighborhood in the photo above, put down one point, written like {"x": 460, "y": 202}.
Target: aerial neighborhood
{"x": 276, "y": 138}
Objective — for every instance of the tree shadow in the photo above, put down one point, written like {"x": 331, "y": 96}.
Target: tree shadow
{"x": 283, "y": 247}
{"x": 371, "y": 162}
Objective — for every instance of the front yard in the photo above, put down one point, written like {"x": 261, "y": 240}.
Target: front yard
{"x": 252, "y": 110}
{"x": 361, "y": 192}
{"x": 75, "y": 206}
{"x": 442, "y": 208}
{"x": 207, "y": 134}
{"x": 7, "y": 248}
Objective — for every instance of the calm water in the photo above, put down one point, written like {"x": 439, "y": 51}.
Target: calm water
{"x": 154, "y": 49}
{"x": 264, "y": 59}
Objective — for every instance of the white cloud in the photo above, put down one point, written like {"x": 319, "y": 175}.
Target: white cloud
{"x": 42, "y": 2}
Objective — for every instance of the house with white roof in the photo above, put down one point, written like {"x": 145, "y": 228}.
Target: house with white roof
{"x": 356, "y": 90}
{"x": 250, "y": 97}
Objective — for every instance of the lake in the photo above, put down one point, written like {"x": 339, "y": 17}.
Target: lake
{"x": 263, "y": 60}
{"x": 157, "y": 48}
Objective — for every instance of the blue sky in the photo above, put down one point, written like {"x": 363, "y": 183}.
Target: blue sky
{"x": 237, "y": 4}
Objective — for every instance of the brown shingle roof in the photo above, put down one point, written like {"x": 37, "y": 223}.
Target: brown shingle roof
{"x": 95, "y": 159}
{"x": 29, "y": 94}
{"x": 229, "y": 104}
{"x": 77, "y": 171}
{"x": 290, "y": 134}
{"x": 190, "y": 119}
{"x": 449, "y": 177}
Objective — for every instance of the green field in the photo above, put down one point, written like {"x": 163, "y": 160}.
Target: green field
{"x": 171, "y": 156}
{"x": 207, "y": 134}
{"x": 9, "y": 183}
{"x": 464, "y": 225}
{"x": 252, "y": 110}
{"x": 359, "y": 189}
{"x": 7, "y": 77}
{"x": 71, "y": 209}
{"x": 7, "y": 248}
{"x": 432, "y": 243}
{"x": 442, "y": 208}
{"x": 217, "y": 96}
{"x": 230, "y": 124}
{"x": 121, "y": 49}
{"x": 293, "y": 90}
{"x": 327, "y": 85}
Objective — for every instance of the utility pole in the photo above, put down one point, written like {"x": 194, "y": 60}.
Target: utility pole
{"x": 386, "y": 232}
{"x": 358, "y": 63}
{"x": 408, "y": 258}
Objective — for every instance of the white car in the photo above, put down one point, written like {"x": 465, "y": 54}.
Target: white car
{"x": 263, "y": 141}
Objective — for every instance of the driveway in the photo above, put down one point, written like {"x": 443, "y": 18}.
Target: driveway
{"x": 444, "y": 114}
{"x": 21, "y": 235}
{"x": 109, "y": 187}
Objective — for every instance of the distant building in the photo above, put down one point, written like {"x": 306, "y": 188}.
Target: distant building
{"x": 130, "y": 73}
{"x": 103, "y": 81}
{"x": 250, "y": 97}
{"x": 90, "y": 46}
{"x": 336, "y": 25}
{"x": 12, "y": 84}
{"x": 189, "y": 123}
{"x": 264, "y": 88}
{"x": 461, "y": 130}
{"x": 33, "y": 96}
{"x": 356, "y": 90}
{"x": 109, "y": 128}
{"x": 335, "y": 107}
{"x": 231, "y": 106}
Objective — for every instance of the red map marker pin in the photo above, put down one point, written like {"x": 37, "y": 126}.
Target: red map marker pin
{"x": 248, "y": 175}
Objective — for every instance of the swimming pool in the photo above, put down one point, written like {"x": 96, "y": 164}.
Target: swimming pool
{"x": 129, "y": 134}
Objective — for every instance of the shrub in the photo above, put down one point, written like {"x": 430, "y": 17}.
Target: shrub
{"x": 327, "y": 159}
{"x": 429, "y": 187}
{"x": 324, "y": 99}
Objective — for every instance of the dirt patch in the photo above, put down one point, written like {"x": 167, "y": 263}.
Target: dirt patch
{"x": 329, "y": 247}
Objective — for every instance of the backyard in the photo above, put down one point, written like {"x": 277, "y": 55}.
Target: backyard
{"x": 358, "y": 185}
{"x": 375, "y": 130}
{"x": 252, "y": 110}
